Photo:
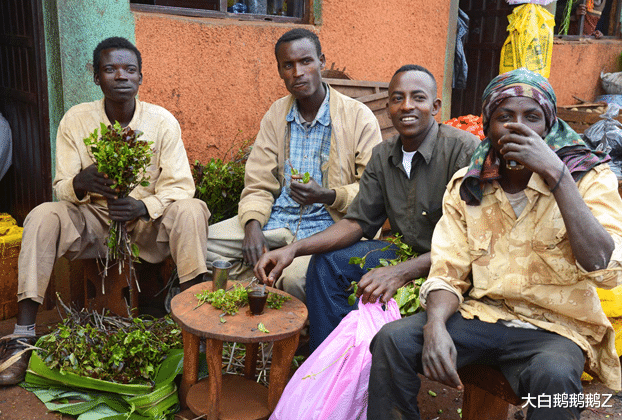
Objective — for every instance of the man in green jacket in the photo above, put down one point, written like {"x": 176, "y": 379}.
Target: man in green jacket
{"x": 316, "y": 131}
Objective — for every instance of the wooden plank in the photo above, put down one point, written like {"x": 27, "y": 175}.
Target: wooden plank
{"x": 354, "y": 91}
{"x": 580, "y": 120}
{"x": 373, "y": 94}
{"x": 585, "y": 105}
{"x": 361, "y": 83}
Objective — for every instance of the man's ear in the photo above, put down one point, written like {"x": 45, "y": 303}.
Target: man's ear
{"x": 140, "y": 80}
{"x": 96, "y": 78}
{"x": 436, "y": 106}
{"x": 322, "y": 61}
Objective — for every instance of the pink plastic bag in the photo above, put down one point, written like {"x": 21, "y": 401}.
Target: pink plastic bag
{"x": 332, "y": 382}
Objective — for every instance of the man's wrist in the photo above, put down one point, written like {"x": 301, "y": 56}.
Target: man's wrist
{"x": 330, "y": 196}
{"x": 252, "y": 225}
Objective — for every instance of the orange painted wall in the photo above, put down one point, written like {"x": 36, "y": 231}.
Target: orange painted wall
{"x": 576, "y": 67}
{"x": 219, "y": 76}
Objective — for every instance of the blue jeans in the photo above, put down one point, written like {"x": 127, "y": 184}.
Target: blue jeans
{"x": 535, "y": 362}
{"x": 328, "y": 278}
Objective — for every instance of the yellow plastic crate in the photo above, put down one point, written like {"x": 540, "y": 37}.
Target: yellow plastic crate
{"x": 10, "y": 245}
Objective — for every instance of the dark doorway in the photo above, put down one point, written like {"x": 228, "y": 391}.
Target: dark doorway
{"x": 24, "y": 103}
{"x": 488, "y": 24}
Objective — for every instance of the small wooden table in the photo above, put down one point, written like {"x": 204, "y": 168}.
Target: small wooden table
{"x": 235, "y": 397}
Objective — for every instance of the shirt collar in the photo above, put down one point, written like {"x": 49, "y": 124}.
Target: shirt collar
{"x": 536, "y": 185}
{"x": 425, "y": 149}
{"x": 322, "y": 116}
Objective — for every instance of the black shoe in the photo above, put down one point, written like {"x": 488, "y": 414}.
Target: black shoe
{"x": 14, "y": 357}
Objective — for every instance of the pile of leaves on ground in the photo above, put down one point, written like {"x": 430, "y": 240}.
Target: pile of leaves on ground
{"x": 110, "y": 348}
{"x": 104, "y": 367}
{"x": 219, "y": 182}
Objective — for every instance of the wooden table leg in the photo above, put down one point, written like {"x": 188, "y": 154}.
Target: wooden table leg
{"x": 250, "y": 361}
{"x": 213, "y": 354}
{"x": 191, "y": 365}
{"x": 282, "y": 356}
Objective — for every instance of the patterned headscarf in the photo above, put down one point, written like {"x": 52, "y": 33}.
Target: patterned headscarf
{"x": 484, "y": 166}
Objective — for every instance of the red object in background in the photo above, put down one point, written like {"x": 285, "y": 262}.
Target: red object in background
{"x": 471, "y": 123}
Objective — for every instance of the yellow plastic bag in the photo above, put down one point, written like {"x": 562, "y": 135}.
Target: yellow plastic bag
{"x": 530, "y": 42}
{"x": 611, "y": 301}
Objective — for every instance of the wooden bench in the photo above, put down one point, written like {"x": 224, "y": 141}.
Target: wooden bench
{"x": 487, "y": 394}
{"x": 79, "y": 283}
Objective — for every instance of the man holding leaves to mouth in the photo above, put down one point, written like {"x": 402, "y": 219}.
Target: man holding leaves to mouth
{"x": 516, "y": 259}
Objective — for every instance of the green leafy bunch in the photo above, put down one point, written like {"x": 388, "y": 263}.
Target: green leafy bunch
{"x": 124, "y": 158}
{"x": 121, "y": 155}
{"x": 232, "y": 300}
{"x": 306, "y": 177}
{"x": 125, "y": 353}
{"x": 229, "y": 301}
{"x": 276, "y": 301}
{"x": 219, "y": 184}
{"x": 407, "y": 297}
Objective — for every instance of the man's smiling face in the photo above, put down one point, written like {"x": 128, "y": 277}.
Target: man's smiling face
{"x": 412, "y": 104}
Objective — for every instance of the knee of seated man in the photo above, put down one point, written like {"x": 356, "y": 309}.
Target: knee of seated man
{"x": 557, "y": 367}
{"x": 190, "y": 208}
{"x": 42, "y": 213}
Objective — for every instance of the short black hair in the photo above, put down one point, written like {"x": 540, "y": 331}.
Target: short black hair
{"x": 118, "y": 43}
{"x": 415, "y": 67}
{"x": 295, "y": 34}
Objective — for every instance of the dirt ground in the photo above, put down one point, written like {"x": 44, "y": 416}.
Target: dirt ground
{"x": 19, "y": 404}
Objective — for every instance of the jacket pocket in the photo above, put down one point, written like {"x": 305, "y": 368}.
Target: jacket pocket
{"x": 480, "y": 252}
{"x": 552, "y": 261}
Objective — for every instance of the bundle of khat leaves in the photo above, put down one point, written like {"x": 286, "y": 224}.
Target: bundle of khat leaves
{"x": 124, "y": 158}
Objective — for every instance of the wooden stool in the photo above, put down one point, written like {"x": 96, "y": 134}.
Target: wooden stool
{"x": 233, "y": 397}
{"x": 118, "y": 292}
{"x": 487, "y": 394}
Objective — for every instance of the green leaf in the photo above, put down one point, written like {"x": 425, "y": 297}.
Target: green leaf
{"x": 135, "y": 250}
{"x": 432, "y": 393}
{"x": 262, "y": 328}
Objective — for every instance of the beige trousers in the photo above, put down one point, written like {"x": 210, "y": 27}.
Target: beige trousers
{"x": 53, "y": 230}
{"x": 225, "y": 243}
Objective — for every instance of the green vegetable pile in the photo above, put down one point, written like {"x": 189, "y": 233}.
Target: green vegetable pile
{"x": 219, "y": 183}
{"x": 407, "y": 297}
{"x": 121, "y": 350}
{"x": 124, "y": 158}
{"x": 231, "y": 301}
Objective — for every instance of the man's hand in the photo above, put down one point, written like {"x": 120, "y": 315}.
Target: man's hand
{"x": 254, "y": 244}
{"x": 126, "y": 209}
{"x": 91, "y": 180}
{"x": 310, "y": 192}
{"x": 380, "y": 283}
{"x": 272, "y": 264}
{"x": 525, "y": 146}
{"x": 581, "y": 10}
{"x": 439, "y": 355}
{"x": 384, "y": 281}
